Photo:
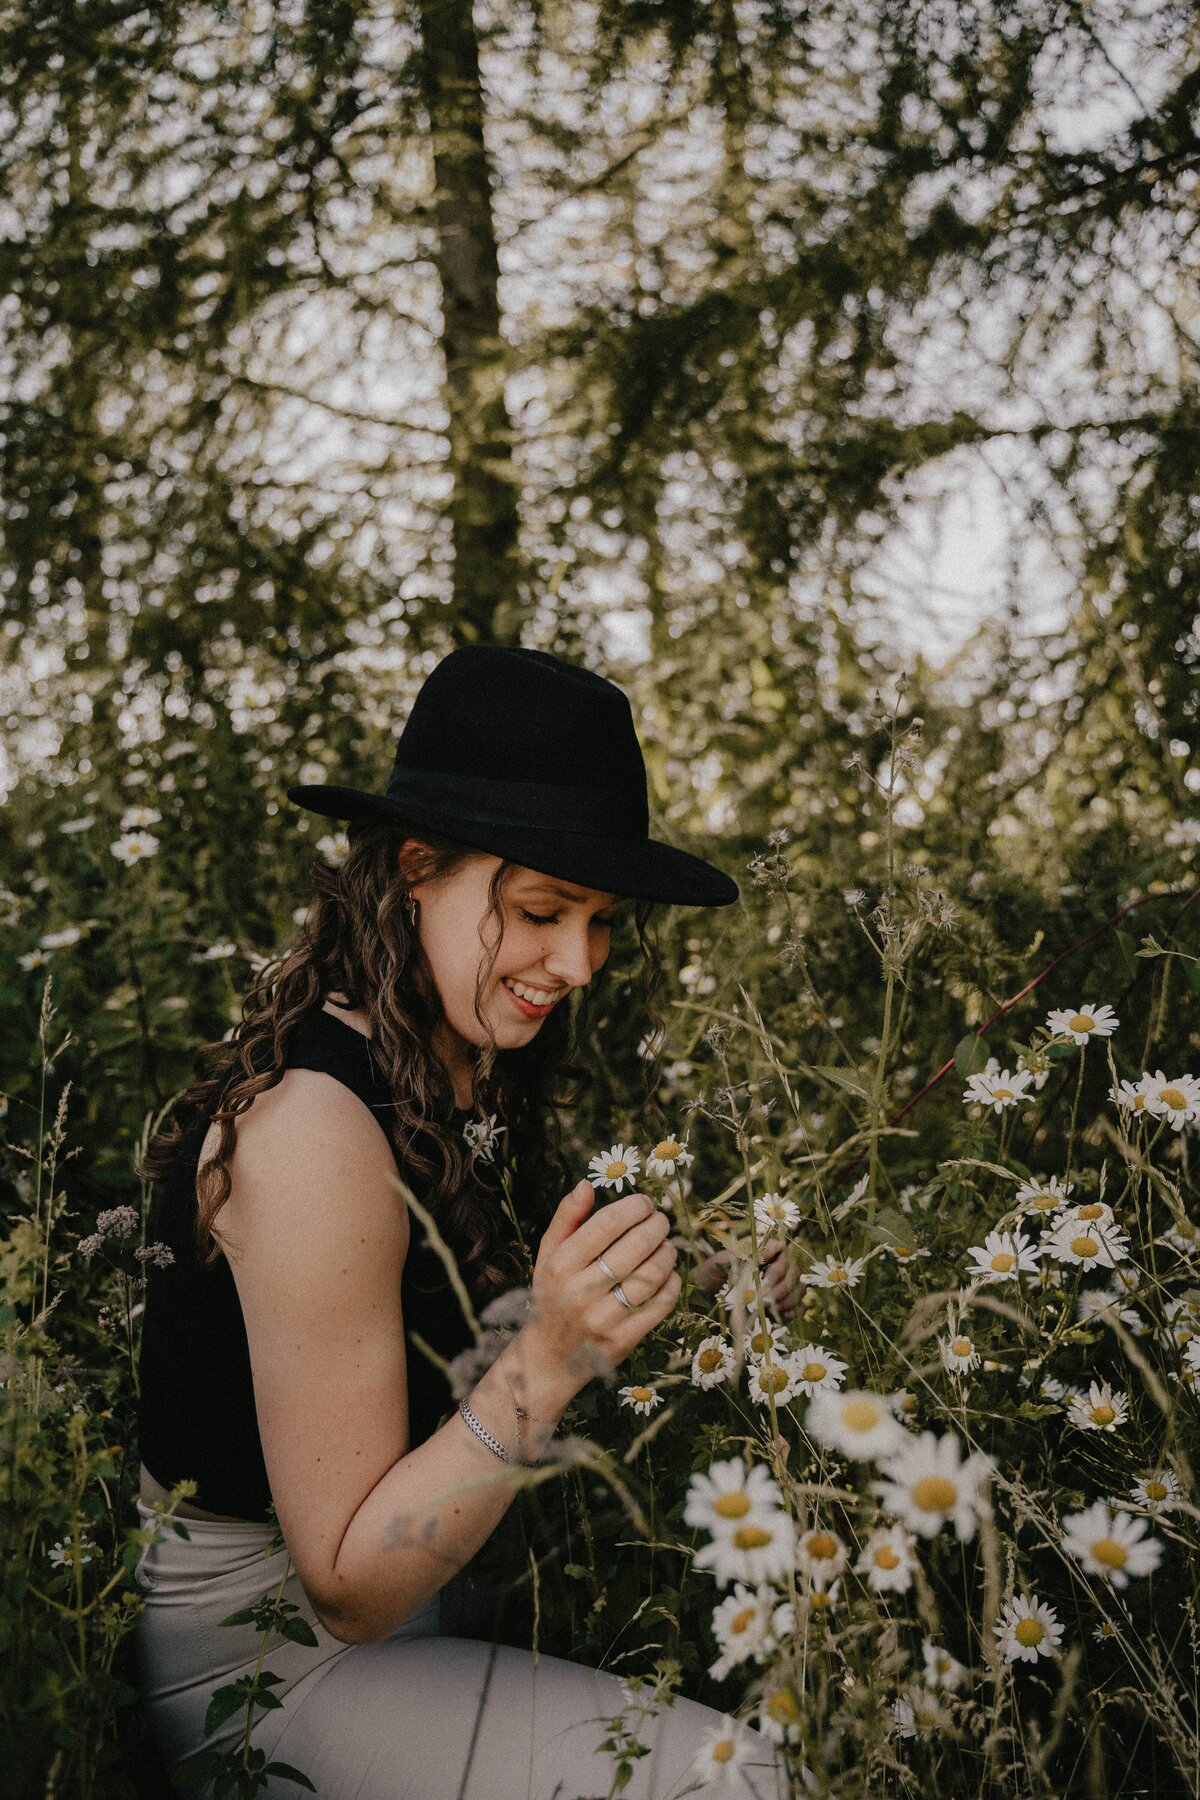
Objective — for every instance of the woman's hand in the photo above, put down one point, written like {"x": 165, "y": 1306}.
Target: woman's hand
{"x": 577, "y": 1326}
{"x": 783, "y": 1287}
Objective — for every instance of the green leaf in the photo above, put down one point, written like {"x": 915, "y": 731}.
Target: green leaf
{"x": 224, "y": 1703}
{"x": 297, "y": 1631}
{"x": 1059, "y": 1052}
{"x": 971, "y": 1054}
{"x": 285, "y": 1772}
{"x": 1128, "y": 953}
{"x": 839, "y": 1078}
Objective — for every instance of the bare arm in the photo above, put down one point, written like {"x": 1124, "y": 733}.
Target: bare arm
{"x": 316, "y": 1234}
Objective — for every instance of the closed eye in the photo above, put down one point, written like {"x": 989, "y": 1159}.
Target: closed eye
{"x": 553, "y": 919}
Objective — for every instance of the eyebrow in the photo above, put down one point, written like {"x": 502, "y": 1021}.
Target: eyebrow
{"x": 572, "y": 894}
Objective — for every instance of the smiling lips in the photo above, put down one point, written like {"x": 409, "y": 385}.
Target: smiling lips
{"x": 531, "y": 1000}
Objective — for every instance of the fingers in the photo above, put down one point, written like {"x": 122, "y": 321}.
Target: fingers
{"x": 648, "y": 1275}
{"x": 629, "y": 1228}
{"x": 570, "y": 1213}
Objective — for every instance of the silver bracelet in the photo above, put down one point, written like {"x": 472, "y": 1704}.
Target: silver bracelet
{"x": 484, "y": 1435}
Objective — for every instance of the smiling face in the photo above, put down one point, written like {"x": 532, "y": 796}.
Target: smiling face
{"x": 555, "y": 937}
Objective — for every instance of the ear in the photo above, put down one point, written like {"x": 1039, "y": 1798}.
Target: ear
{"x": 414, "y": 861}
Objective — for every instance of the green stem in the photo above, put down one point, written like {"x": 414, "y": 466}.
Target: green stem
{"x": 262, "y": 1652}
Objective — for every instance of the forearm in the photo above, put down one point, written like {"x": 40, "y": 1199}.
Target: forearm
{"x": 435, "y": 1507}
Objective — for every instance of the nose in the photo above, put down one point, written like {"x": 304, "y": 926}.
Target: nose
{"x": 571, "y": 958}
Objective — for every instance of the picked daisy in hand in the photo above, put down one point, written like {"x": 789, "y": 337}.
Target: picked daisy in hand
{"x": 642, "y": 1399}
{"x": 1102, "y": 1408}
{"x": 855, "y": 1423}
{"x": 1028, "y": 1629}
{"x": 998, "y": 1091}
{"x": 927, "y": 1486}
{"x": 888, "y": 1561}
{"x": 615, "y": 1167}
{"x": 834, "y": 1272}
{"x": 712, "y": 1363}
{"x": 1175, "y": 1098}
{"x": 816, "y": 1369}
{"x": 773, "y": 1213}
{"x": 668, "y": 1155}
{"x": 1003, "y": 1256}
{"x": 1110, "y": 1543}
{"x": 1086, "y": 1023}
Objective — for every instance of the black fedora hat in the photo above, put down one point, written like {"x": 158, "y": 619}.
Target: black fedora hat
{"x": 530, "y": 758}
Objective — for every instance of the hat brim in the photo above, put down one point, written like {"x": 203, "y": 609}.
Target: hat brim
{"x": 636, "y": 868}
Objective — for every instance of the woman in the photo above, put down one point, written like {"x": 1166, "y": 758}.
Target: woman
{"x": 295, "y": 1351}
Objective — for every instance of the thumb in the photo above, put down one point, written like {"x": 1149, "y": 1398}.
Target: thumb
{"x": 569, "y": 1215}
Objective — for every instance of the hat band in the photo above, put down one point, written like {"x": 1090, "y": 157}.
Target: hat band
{"x": 542, "y": 805}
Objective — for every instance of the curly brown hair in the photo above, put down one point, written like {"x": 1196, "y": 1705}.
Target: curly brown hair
{"x": 357, "y": 942}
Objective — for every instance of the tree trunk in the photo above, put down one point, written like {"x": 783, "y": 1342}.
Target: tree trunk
{"x": 483, "y": 509}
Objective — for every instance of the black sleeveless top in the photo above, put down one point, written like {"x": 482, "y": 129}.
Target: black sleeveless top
{"x": 197, "y": 1417}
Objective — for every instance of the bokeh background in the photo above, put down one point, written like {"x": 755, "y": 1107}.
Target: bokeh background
{"x": 811, "y": 369}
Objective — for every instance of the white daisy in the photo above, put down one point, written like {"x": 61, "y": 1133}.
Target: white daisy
{"x": 834, "y": 1272}
{"x": 614, "y": 1167}
{"x": 62, "y": 940}
{"x": 1157, "y": 1492}
{"x": 1027, "y": 1629}
{"x": 819, "y": 1597}
{"x": 1089, "y": 1246}
{"x": 756, "y": 1550}
{"x": 816, "y": 1369}
{"x": 778, "y": 1716}
{"x": 1047, "y": 1196}
{"x": 768, "y": 1340}
{"x": 1183, "y": 1321}
{"x": 741, "y": 1625}
{"x": 1175, "y": 1098}
{"x": 34, "y": 959}
{"x": 998, "y": 1091}
{"x": 134, "y": 847}
{"x": 1082, "y": 1025}
{"x": 1105, "y": 1632}
{"x": 773, "y": 1213}
{"x": 482, "y": 1137}
{"x": 1036, "y": 1066}
{"x": 136, "y": 818}
{"x": 941, "y": 1669}
{"x": 820, "y": 1553}
{"x": 771, "y": 1378}
{"x": 916, "y": 1713}
{"x": 903, "y": 1253}
{"x": 721, "y": 1754}
{"x": 729, "y": 1494}
{"x": 70, "y": 826}
{"x": 668, "y": 1155}
{"x": 712, "y": 1363}
{"x": 1110, "y": 1543}
{"x": 642, "y": 1399}
{"x": 67, "y": 1551}
{"x": 334, "y": 847}
{"x": 1087, "y": 1212}
{"x": 1191, "y": 1353}
{"x": 1100, "y": 1409}
{"x": 1105, "y": 1308}
{"x": 887, "y": 1560}
{"x": 855, "y": 1423}
{"x": 959, "y": 1353}
{"x": 1003, "y": 1256}
{"x": 1183, "y": 1238}
{"x": 927, "y": 1486}
{"x": 1133, "y": 1096}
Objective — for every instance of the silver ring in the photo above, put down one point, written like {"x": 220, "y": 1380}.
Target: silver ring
{"x": 611, "y": 1273}
{"x": 623, "y": 1297}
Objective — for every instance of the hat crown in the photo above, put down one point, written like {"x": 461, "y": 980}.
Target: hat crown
{"x": 509, "y": 714}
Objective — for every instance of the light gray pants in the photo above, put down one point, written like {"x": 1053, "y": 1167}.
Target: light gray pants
{"x": 416, "y": 1716}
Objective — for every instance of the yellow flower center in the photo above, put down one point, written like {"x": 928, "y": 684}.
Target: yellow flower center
{"x": 814, "y": 1371}
{"x": 722, "y": 1750}
{"x": 743, "y": 1620}
{"x": 710, "y": 1360}
{"x": 614, "y": 1170}
{"x": 1139, "y": 1102}
{"x": 1002, "y": 1093}
{"x": 1174, "y": 1097}
{"x": 667, "y": 1151}
{"x": 821, "y": 1546}
{"x": 1156, "y": 1490}
{"x": 837, "y": 1274}
{"x": 641, "y": 1393}
{"x": 934, "y": 1493}
{"x": 861, "y": 1415}
{"x": 1030, "y": 1632}
{"x": 751, "y": 1537}
{"x": 963, "y": 1347}
{"x": 1046, "y": 1201}
{"x": 771, "y": 1378}
{"x": 820, "y": 1600}
{"x": 1109, "y": 1553}
{"x": 761, "y": 1342}
{"x": 941, "y": 1663}
{"x": 1094, "y": 1210}
{"x": 886, "y": 1558}
{"x": 909, "y": 1403}
{"x": 783, "y": 1708}
{"x": 1083, "y": 1022}
{"x": 901, "y": 1250}
{"x": 1103, "y": 1415}
{"x": 1003, "y": 1261}
{"x": 732, "y": 1506}
{"x": 1085, "y": 1246}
